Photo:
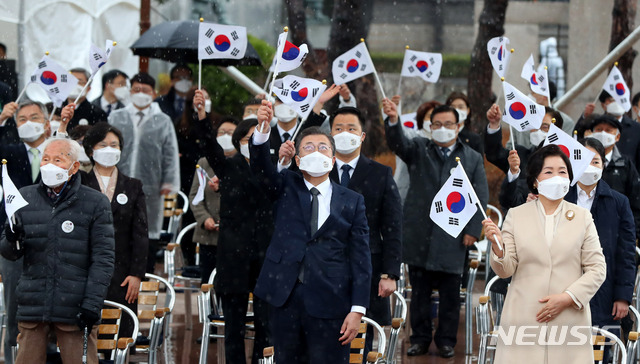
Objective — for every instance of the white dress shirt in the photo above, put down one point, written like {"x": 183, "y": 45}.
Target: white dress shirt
{"x": 584, "y": 199}
{"x": 104, "y": 104}
{"x": 290, "y": 131}
{"x": 353, "y": 164}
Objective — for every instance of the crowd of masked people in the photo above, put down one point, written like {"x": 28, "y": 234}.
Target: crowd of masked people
{"x": 310, "y": 225}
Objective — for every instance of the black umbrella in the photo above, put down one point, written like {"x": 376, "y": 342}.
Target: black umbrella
{"x": 177, "y": 42}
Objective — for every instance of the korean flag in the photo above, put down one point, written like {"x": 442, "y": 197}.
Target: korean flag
{"x": 422, "y": 64}
{"x": 579, "y": 156}
{"x": 301, "y": 94}
{"x": 519, "y": 110}
{"x": 54, "y": 80}
{"x": 352, "y": 65}
{"x": 617, "y": 88}
{"x": 499, "y": 54}
{"x": 455, "y": 204}
{"x": 216, "y": 41}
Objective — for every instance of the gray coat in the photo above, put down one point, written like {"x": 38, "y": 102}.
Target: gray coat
{"x": 150, "y": 154}
{"x": 209, "y": 207}
{"x": 424, "y": 243}
{"x": 68, "y": 253}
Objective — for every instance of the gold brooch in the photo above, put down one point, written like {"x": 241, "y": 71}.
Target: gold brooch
{"x": 570, "y": 215}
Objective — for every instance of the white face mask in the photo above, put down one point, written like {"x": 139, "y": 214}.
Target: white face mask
{"x": 244, "y": 150}
{"x": 605, "y": 138}
{"x": 346, "y": 142}
{"x": 462, "y": 116}
{"x": 284, "y": 113}
{"x": 591, "y": 175}
{"x": 554, "y": 188}
{"x": 141, "y": 99}
{"x": 30, "y": 131}
{"x": 54, "y": 176}
{"x": 107, "y": 156}
{"x": 183, "y": 85}
{"x": 443, "y": 135}
{"x": 225, "y": 142}
{"x": 76, "y": 91}
{"x": 122, "y": 93}
{"x": 615, "y": 109}
{"x": 537, "y": 137}
{"x": 316, "y": 164}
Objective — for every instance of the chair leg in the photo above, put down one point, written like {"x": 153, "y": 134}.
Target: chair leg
{"x": 204, "y": 345}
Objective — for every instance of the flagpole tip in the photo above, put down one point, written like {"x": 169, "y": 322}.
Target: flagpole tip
{"x": 457, "y": 159}
{"x": 512, "y": 50}
{"x": 324, "y": 82}
{"x": 362, "y": 39}
{"x": 286, "y": 29}
{"x": 115, "y": 44}
{"x": 4, "y": 161}
{"x": 406, "y": 47}
{"x": 502, "y": 79}
{"x": 553, "y": 120}
{"x": 197, "y": 166}
{"x": 545, "y": 67}
{"x": 201, "y": 20}
{"x": 575, "y": 132}
{"x": 46, "y": 53}
{"x": 616, "y": 64}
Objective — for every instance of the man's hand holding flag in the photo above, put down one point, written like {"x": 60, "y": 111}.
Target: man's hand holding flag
{"x": 13, "y": 201}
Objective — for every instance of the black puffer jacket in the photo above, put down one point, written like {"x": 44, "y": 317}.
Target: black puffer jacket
{"x": 68, "y": 253}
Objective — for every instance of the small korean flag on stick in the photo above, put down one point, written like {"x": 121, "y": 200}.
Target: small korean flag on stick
{"x": 13, "y": 200}
{"x": 291, "y": 56}
{"x": 617, "y": 88}
{"x": 352, "y": 64}
{"x": 54, "y": 80}
{"x": 455, "y": 204}
{"x": 98, "y": 57}
{"x": 538, "y": 81}
{"x": 409, "y": 121}
{"x": 203, "y": 177}
{"x": 422, "y": 64}
{"x": 217, "y": 41}
{"x": 301, "y": 94}
{"x": 499, "y": 54}
{"x": 519, "y": 110}
{"x": 579, "y": 156}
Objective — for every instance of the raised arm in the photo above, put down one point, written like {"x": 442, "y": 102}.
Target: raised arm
{"x": 209, "y": 147}
{"x": 260, "y": 160}
{"x": 397, "y": 141}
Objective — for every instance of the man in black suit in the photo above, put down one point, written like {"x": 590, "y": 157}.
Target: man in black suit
{"x": 173, "y": 102}
{"x": 23, "y": 166}
{"x": 114, "y": 91}
{"x": 317, "y": 271}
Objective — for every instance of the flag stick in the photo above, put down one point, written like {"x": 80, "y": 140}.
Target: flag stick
{"x": 53, "y": 112}
{"x": 275, "y": 68}
{"x": 24, "y": 89}
{"x": 375, "y": 73}
{"x": 84, "y": 88}
{"x": 266, "y": 82}
{"x": 477, "y": 201}
{"x": 513, "y": 144}
{"x": 199, "y": 74}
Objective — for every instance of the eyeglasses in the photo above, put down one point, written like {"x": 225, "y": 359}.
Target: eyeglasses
{"x": 447, "y": 125}
{"x": 310, "y": 148}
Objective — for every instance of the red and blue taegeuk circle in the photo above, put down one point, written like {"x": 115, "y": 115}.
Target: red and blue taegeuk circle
{"x": 533, "y": 79}
{"x": 300, "y": 95}
{"x": 422, "y": 66}
{"x": 620, "y": 90}
{"x": 222, "y": 43}
{"x": 517, "y": 110}
{"x": 352, "y": 65}
{"x": 455, "y": 202}
{"x": 48, "y": 78}
{"x": 409, "y": 124}
{"x": 290, "y": 52}
{"x": 500, "y": 54}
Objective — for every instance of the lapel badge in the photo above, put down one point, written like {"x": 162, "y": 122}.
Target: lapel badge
{"x": 570, "y": 215}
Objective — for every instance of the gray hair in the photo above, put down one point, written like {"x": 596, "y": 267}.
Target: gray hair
{"x": 27, "y": 102}
{"x": 74, "y": 147}
{"x": 81, "y": 70}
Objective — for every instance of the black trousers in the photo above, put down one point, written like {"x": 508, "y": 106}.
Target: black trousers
{"x": 151, "y": 258}
{"x": 299, "y": 338}
{"x": 207, "y": 261}
{"x": 423, "y": 282}
{"x": 234, "y": 307}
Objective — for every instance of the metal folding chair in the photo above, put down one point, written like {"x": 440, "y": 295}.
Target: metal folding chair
{"x": 468, "y": 307}
{"x": 487, "y": 319}
{"x": 109, "y": 341}
{"x": 600, "y": 338}
{"x": 400, "y": 309}
{"x": 357, "y": 344}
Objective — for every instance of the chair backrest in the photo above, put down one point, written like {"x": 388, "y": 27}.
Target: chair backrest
{"x": 601, "y": 337}
{"x": 267, "y": 353}
{"x": 173, "y": 258}
{"x": 397, "y": 323}
{"x": 170, "y": 293}
{"x": 108, "y": 331}
{"x": 358, "y": 343}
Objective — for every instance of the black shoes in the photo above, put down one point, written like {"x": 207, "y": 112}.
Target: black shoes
{"x": 446, "y": 351}
{"x": 417, "y": 349}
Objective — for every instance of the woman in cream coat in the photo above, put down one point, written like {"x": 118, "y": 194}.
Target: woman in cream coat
{"x": 553, "y": 254}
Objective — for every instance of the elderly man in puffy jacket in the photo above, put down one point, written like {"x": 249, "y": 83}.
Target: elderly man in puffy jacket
{"x": 65, "y": 235}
